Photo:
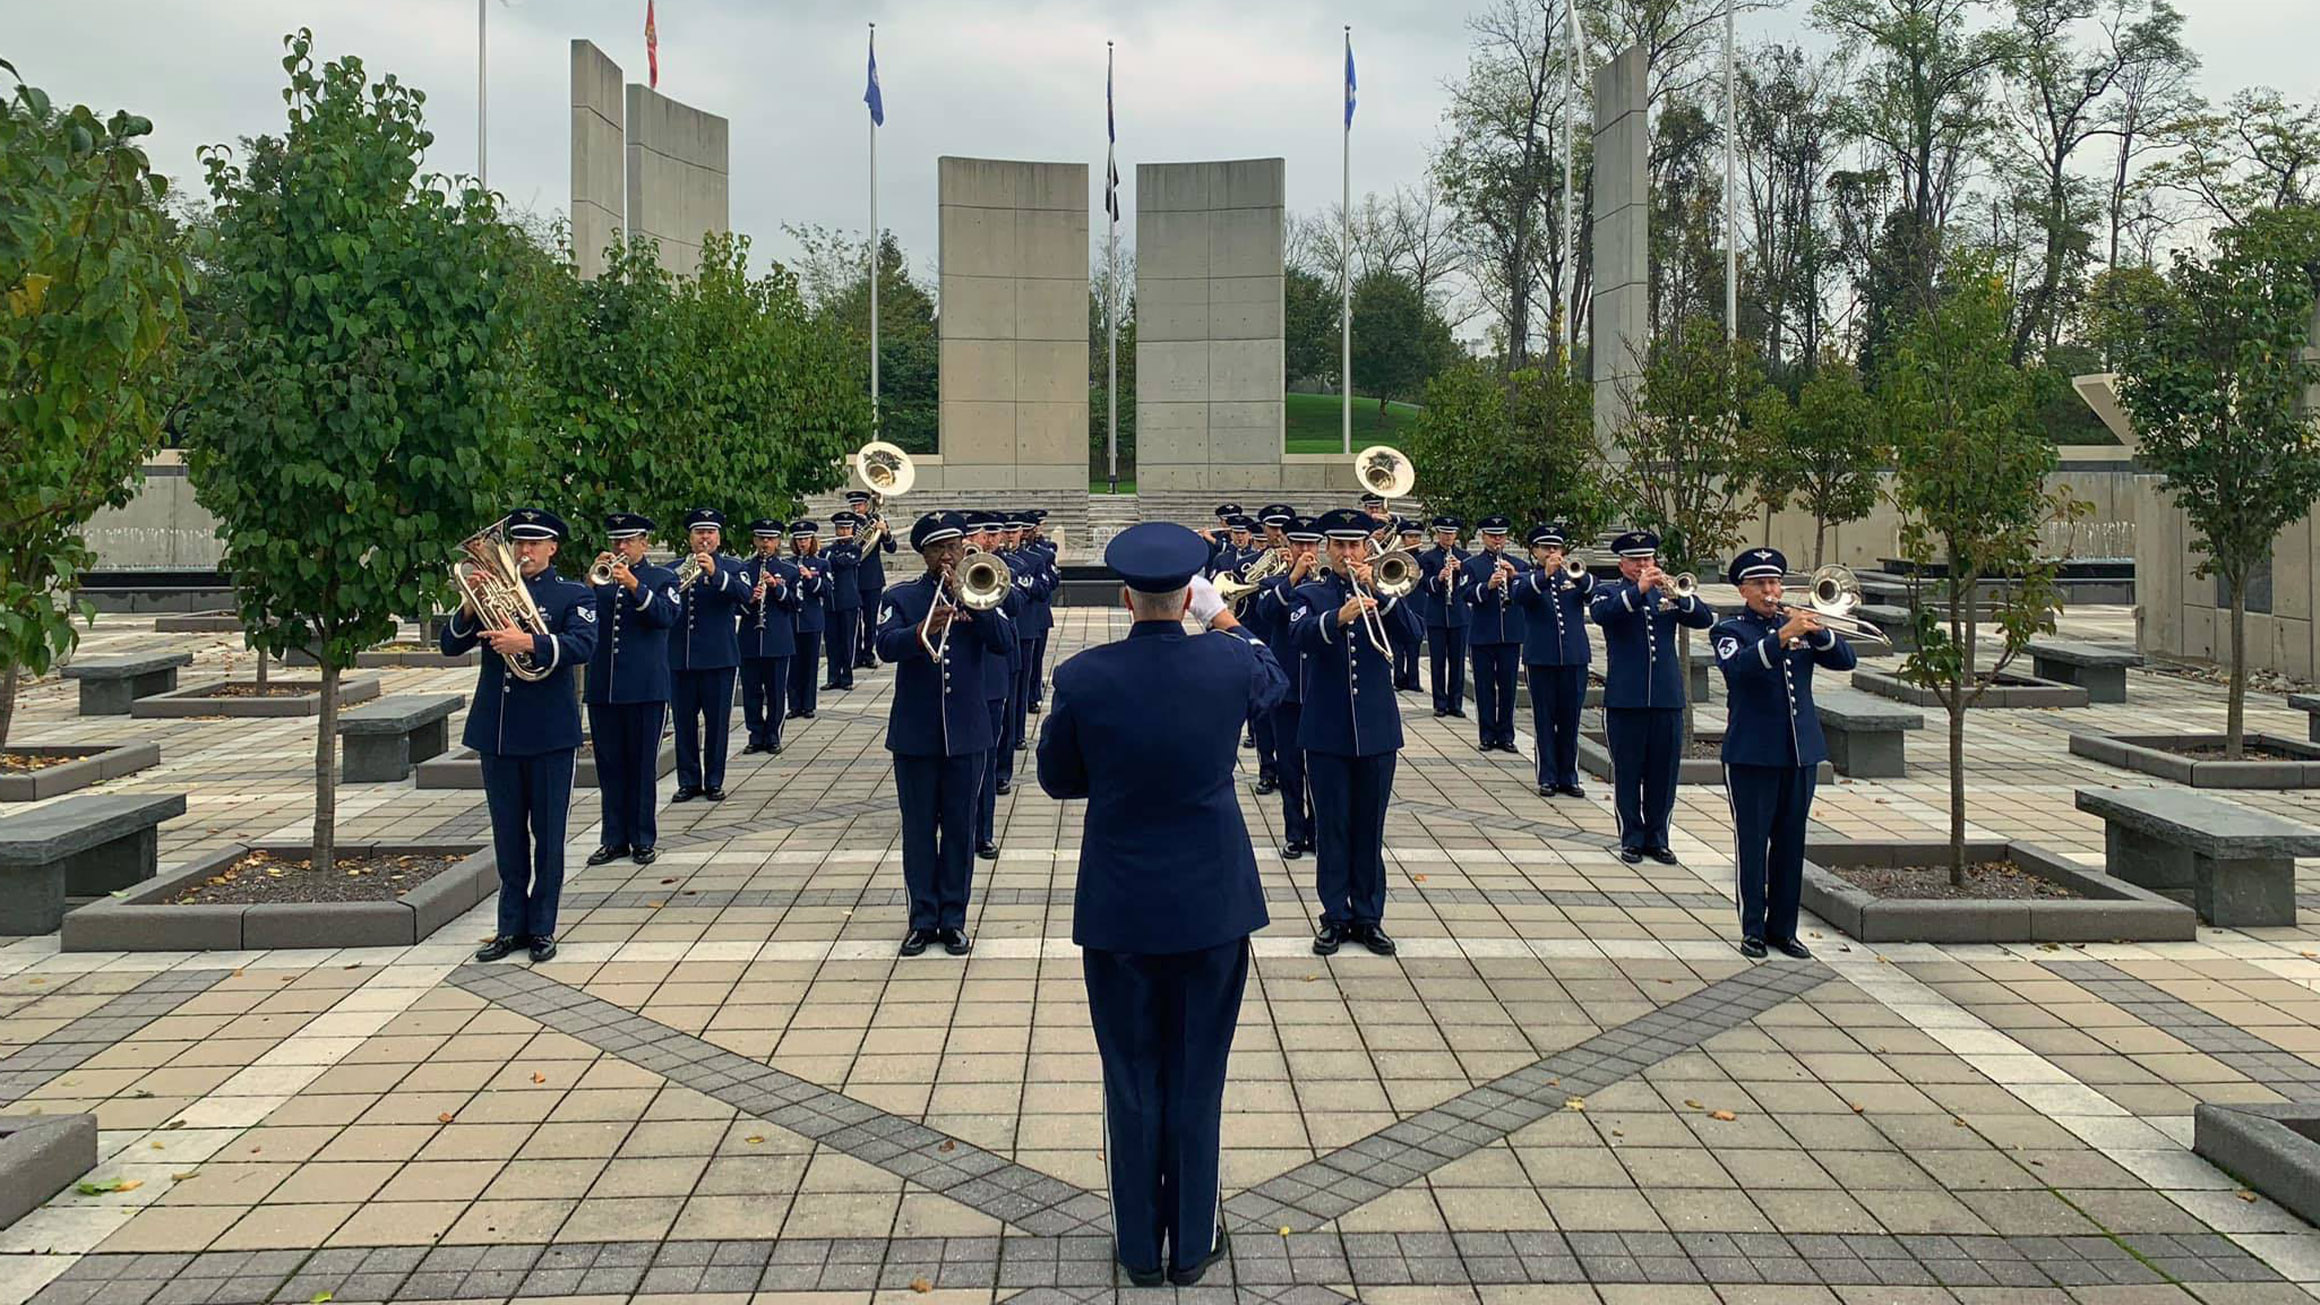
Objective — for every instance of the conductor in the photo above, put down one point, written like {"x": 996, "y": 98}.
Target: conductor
{"x": 1147, "y": 730}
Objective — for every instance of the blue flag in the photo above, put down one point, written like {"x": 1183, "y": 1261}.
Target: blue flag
{"x": 1349, "y": 81}
{"x": 871, "y": 97}
{"x": 1112, "y": 134}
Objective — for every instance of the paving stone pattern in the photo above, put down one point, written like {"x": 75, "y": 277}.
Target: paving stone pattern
{"x": 2282, "y": 1071}
{"x": 26, "y": 1069}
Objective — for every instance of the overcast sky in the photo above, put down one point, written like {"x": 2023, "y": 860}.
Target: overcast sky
{"x": 1197, "y": 79}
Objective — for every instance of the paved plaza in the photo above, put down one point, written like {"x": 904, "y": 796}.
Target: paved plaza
{"x": 1567, "y": 1088}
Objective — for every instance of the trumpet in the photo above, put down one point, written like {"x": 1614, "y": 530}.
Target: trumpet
{"x": 486, "y": 572}
{"x": 977, "y": 582}
{"x": 689, "y": 572}
{"x": 1574, "y": 566}
{"x": 600, "y": 576}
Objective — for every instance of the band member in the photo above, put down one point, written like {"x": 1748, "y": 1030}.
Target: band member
{"x": 871, "y": 578}
{"x": 525, "y": 732}
{"x": 1219, "y": 537}
{"x": 1350, "y": 737}
{"x": 628, "y": 690}
{"x": 1034, "y": 581}
{"x": 813, "y": 618}
{"x": 1374, "y": 506}
{"x": 1643, "y": 718}
{"x": 1167, "y": 891}
{"x": 769, "y": 636}
{"x": 1497, "y": 633}
{"x": 1773, "y": 745}
{"x": 1262, "y": 735}
{"x": 1269, "y": 612}
{"x": 1447, "y": 619}
{"x": 1000, "y": 669}
{"x": 842, "y": 599}
{"x": 1039, "y": 613}
{"x": 704, "y": 657}
{"x": 939, "y": 730}
{"x": 1410, "y": 631}
{"x": 1555, "y": 649}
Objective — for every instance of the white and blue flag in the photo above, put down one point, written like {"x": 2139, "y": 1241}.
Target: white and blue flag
{"x": 1349, "y": 81}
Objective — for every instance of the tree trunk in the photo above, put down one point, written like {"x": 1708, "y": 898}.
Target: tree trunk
{"x": 261, "y": 672}
{"x": 325, "y": 780}
{"x": 2235, "y": 709}
{"x": 8, "y": 698}
{"x": 1957, "y": 793}
{"x": 1820, "y": 541}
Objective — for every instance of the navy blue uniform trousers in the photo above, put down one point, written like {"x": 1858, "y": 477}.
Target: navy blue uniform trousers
{"x": 937, "y": 796}
{"x": 703, "y": 701}
{"x": 1265, "y": 729}
{"x": 764, "y": 698}
{"x": 627, "y": 736}
{"x": 1646, "y": 743}
{"x": 1405, "y": 648}
{"x": 1038, "y": 669}
{"x": 529, "y": 799}
{"x": 1349, "y": 819}
{"x": 1446, "y": 657}
{"x": 1557, "y": 694}
{"x": 1770, "y": 805}
{"x": 1496, "y": 667}
{"x": 1164, "y": 1029}
{"x": 1018, "y": 719}
{"x": 841, "y": 635}
{"x": 987, "y": 795}
{"x": 804, "y": 672}
{"x": 1296, "y": 813}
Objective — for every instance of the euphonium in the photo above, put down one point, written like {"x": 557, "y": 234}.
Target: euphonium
{"x": 886, "y": 469}
{"x": 486, "y": 572}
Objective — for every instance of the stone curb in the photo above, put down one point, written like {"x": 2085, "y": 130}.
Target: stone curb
{"x": 2148, "y": 754}
{"x": 140, "y": 922}
{"x": 1595, "y": 759}
{"x": 2112, "y": 910}
{"x": 2014, "y": 689}
{"x": 39, "y": 1155}
{"x": 198, "y": 623}
{"x": 2268, "y": 1147}
{"x": 108, "y": 761}
{"x": 200, "y": 700}
{"x": 461, "y": 769}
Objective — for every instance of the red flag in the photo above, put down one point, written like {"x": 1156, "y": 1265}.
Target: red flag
{"x": 652, "y": 46}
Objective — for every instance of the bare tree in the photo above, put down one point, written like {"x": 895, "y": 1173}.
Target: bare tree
{"x": 2154, "y": 95}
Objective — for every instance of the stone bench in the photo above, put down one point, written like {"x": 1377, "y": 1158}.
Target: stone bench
{"x": 110, "y": 684}
{"x": 1864, "y": 733}
{"x": 1893, "y": 621}
{"x": 2097, "y": 668}
{"x": 84, "y": 846}
{"x": 2308, "y": 703}
{"x": 2234, "y": 865}
{"x": 386, "y": 738}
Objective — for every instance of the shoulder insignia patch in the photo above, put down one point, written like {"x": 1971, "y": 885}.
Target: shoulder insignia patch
{"x": 1727, "y": 646}
{"x": 587, "y": 612}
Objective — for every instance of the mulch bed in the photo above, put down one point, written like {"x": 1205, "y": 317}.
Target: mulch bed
{"x": 264, "y": 878}
{"x": 2258, "y": 680}
{"x": 1985, "y": 880}
{"x": 2250, "y": 752}
{"x": 1705, "y": 750}
{"x": 18, "y": 763}
{"x": 291, "y": 690}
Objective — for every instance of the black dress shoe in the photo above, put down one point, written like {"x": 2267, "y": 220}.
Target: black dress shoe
{"x": 1571, "y": 790}
{"x": 1248, "y": 740}
{"x": 791, "y": 715}
{"x": 1143, "y": 1277}
{"x": 1032, "y": 707}
{"x": 684, "y": 795}
{"x": 1486, "y": 747}
{"x": 955, "y": 941}
{"x": 1548, "y": 790}
{"x": 1631, "y": 855}
{"x": 832, "y": 687}
{"x": 1186, "y": 1277}
{"x": 1457, "y": 713}
{"x": 1662, "y": 855}
{"x": 1791, "y": 947}
{"x": 1440, "y": 712}
{"x": 1328, "y": 938}
{"x": 749, "y": 748}
{"x": 713, "y": 793}
{"x": 1752, "y": 948}
{"x": 987, "y": 850}
{"x": 1005, "y": 787}
{"x": 645, "y": 855}
{"x": 1294, "y": 849}
{"x": 805, "y": 715}
{"x": 1267, "y": 785}
{"x": 496, "y": 949}
{"x": 607, "y": 853}
{"x": 916, "y": 941}
{"x": 774, "y": 749}
{"x": 1507, "y": 745}
{"x": 1374, "y": 938}
{"x": 543, "y": 950}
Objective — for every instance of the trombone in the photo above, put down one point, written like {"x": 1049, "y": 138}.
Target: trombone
{"x": 1833, "y": 592}
{"x": 976, "y": 582}
{"x": 1393, "y": 574}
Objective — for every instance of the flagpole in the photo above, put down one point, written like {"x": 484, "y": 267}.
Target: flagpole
{"x": 1111, "y": 289}
{"x": 1731, "y": 200}
{"x": 1570, "y": 277}
{"x": 875, "y": 426}
{"x": 482, "y": 140}
{"x": 1345, "y": 267}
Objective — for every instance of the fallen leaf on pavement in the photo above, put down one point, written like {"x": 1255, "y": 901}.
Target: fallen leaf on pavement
{"x": 1723, "y": 1116}
{"x": 445, "y": 1118}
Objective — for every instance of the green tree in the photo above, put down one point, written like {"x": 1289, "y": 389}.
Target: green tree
{"x": 348, "y": 414}
{"x": 1835, "y": 449}
{"x": 1970, "y": 481}
{"x": 2217, "y": 378}
{"x": 1399, "y": 340}
{"x": 92, "y": 289}
{"x": 1309, "y": 327}
{"x": 832, "y": 273}
{"x": 1521, "y": 443}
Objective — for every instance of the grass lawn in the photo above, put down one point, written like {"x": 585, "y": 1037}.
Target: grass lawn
{"x": 1314, "y": 423}
{"x": 1099, "y": 485}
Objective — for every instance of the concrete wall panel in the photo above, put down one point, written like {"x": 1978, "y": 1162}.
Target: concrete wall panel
{"x": 599, "y": 157}
{"x": 1014, "y": 287}
{"x": 678, "y": 163}
{"x": 1622, "y": 233}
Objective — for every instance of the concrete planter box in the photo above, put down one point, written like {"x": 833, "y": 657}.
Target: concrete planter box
{"x": 1595, "y": 759}
{"x": 420, "y": 659}
{"x": 198, "y": 623}
{"x": 2149, "y": 754}
{"x": 203, "y": 699}
{"x": 39, "y": 1156}
{"x": 2013, "y": 689}
{"x": 2271, "y": 1148}
{"x": 2111, "y": 910}
{"x": 110, "y": 761}
{"x": 461, "y": 769}
{"x": 144, "y": 922}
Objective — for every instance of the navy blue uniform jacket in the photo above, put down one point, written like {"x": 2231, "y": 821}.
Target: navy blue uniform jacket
{"x": 769, "y": 629}
{"x": 939, "y": 710}
{"x": 1557, "y": 617}
{"x": 704, "y": 638}
{"x": 1641, "y": 668}
{"x": 1349, "y": 685}
{"x": 1498, "y": 613}
{"x": 1148, "y": 730}
{"x": 843, "y": 593}
{"x": 632, "y": 639}
{"x": 524, "y": 718}
{"x": 1770, "y": 719}
{"x": 1443, "y": 610}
